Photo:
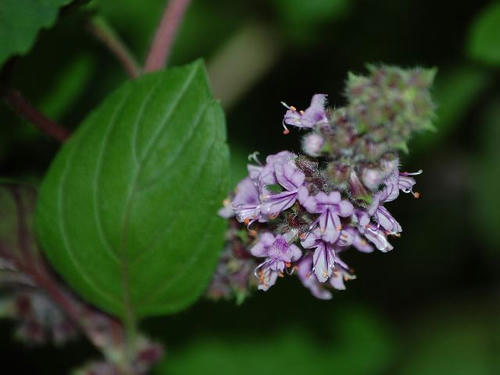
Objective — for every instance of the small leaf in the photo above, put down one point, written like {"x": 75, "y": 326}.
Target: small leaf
{"x": 484, "y": 35}
{"x": 274, "y": 188}
{"x": 20, "y": 21}
{"x": 127, "y": 212}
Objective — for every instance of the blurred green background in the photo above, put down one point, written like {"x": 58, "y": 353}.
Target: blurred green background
{"x": 432, "y": 306}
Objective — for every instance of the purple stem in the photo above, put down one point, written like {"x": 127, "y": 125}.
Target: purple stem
{"x": 27, "y": 111}
{"x": 165, "y": 34}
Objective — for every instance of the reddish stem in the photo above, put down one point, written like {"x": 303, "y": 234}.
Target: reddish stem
{"x": 27, "y": 111}
{"x": 165, "y": 34}
{"x": 110, "y": 39}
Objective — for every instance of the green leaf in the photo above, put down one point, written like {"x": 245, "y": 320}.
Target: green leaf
{"x": 20, "y": 21}
{"x": 484, "y": 35}
{"x": 127, "y": 212}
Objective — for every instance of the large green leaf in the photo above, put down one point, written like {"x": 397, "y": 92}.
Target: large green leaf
{"x": 484, "y": 37}
{"x": 127, "y": 212}
{"x": 20, "y": 21}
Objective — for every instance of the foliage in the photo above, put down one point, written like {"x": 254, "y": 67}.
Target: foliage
{"x": 127, "y": 211}
{"x": 484, "y": 38}
{"x": 20, "y": 21}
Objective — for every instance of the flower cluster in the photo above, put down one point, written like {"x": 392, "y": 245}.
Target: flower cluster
{"x": 297, "y": 214}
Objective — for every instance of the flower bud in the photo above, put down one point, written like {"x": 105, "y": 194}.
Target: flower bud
{"x": 312, "y": 144}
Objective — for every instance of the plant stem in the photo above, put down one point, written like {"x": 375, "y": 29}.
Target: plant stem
{"x": 105, "y": 33}
{"x": 27, "y": 111}
{"x": 165, "y": 34}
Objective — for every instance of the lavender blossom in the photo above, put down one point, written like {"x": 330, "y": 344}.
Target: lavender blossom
{"x": 309, "y": 280}
{"x": 246, "y": 204}
{"x": 289, "y": 177}
{"x": 279, "y": 254}
{"x": 312, "y": 144}
{"x": 305, "y": 210}
{"x": 323, "y": 257}
{"x": 330, "y": 207}
{"x": 313, "y": 115}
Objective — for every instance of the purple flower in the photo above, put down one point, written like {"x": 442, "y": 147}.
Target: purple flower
{"x": 246, "y": 204}
{"x": 279, "y": 254}
{"x": 266, "y": 175}
{"x": 312, "y": 144}
{"x": 373, "y": 177}
{"x": 309, "y": 280}
{"x": 386, "y": 220}
{"x": 330, "y": 207}
{"x": 340, "y": 274}
{"x": 227, "y": 209}
{"x": 313, "y": 115}
{"x": 323, "y": 257}
{"x": 395, "y": 182}
{"x": 289, "y": 177}
{"x": 406, "y": 183}
{"x": 376, "y": 236}
{"x": 351, "y": 236}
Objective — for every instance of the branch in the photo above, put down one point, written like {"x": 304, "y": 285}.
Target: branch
{"x": 27, "y": 111}
{"x": 103, "y": 32}
{"x": 165, "y": 34}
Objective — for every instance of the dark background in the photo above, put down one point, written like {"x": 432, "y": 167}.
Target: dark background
{"x": 431, "y": 306}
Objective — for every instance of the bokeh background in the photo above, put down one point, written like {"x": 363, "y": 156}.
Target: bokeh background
{"x": 432, "y": 305}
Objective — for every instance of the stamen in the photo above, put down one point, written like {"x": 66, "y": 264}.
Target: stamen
{"x": 273, "y": 216}
{"x": 253, "y": 157}
{"x": 416, "y": 194}
{"x": 420, "y": 171}
{"x": 285, "y": 129}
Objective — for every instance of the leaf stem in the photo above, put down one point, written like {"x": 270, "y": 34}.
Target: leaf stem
{"x": 24, "y": 109}
{"x": 165, "y": 33}
{"x": 105, "y": 33}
